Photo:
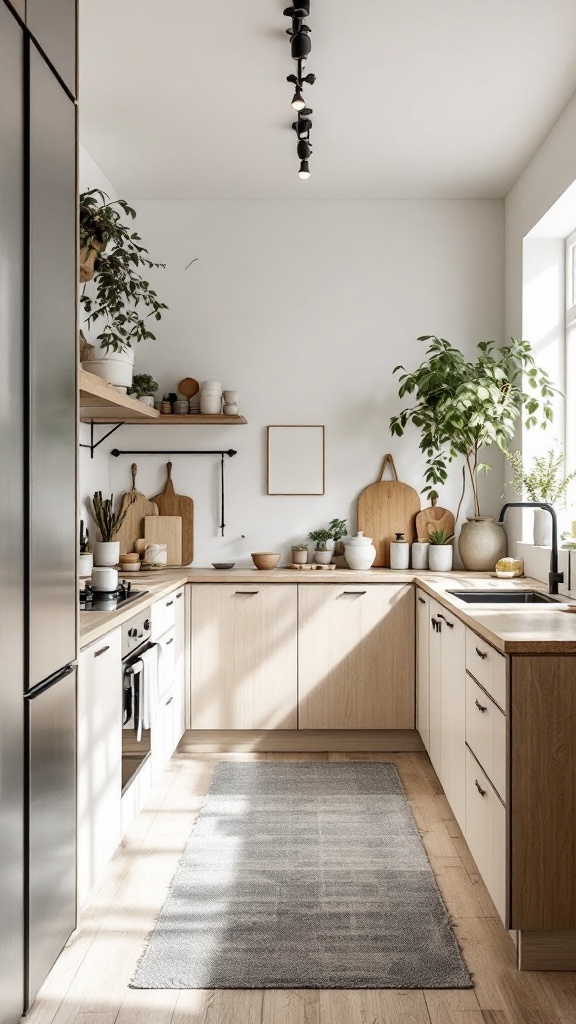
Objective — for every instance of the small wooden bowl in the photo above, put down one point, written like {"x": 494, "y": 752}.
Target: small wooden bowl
{"x": 130, "y": 556}
{"x": 266, "y": 559}
{"x": 130, "y": 567}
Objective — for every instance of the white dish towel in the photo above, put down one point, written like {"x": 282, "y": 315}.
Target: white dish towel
{"x": 148, "y": 688}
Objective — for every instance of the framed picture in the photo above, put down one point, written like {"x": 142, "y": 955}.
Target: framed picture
{"x": 296, "y": 459}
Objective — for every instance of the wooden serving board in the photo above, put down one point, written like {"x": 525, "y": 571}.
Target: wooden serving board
{"x": 138, "y": 508}
{"x": 171, "y": 504}
{"x": 165, "y": 530}
{"x": 386, "y": 508}
{"x": 434, "y": 518}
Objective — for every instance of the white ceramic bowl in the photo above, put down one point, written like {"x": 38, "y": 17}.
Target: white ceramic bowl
{"x": 230, "y": 396}
{"x": 211, "y": 385}
{"x": 210, "y": 406}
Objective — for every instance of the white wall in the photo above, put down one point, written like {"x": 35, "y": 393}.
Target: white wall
{"x": 305, "y": 308}
{"x": 93, "y": 473}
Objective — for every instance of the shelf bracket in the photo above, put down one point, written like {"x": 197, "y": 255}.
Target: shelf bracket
{"x": 95, "y": 444}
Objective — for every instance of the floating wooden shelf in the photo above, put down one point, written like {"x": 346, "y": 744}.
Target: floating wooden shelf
{"x": 199, "y": 420}
{"x": 101, "y": 403}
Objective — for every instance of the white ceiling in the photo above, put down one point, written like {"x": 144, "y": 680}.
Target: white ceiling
{"x": 413, "y": 99}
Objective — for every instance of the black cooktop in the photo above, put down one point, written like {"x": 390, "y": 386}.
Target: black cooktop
{"x": 108, "y": 601}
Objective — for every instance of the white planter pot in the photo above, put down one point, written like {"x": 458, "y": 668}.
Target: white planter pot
{"x": 147, "y": 400}
{"x": 440, "y": 557}
{"x": 299, "y": 556}
{"x": 104, "y": 579}
{"x": 323, "y": 557}
{"x": 482, "y": 543}
{"x": 420, "y": 554}
{"x": 106, "y": 552}
{"x": 116, "y": 367}
{"x": 542, "y": 528}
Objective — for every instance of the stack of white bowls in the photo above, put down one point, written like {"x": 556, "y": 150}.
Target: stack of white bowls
{"x": 211, "y": 398}
{"x": 230, "y": 403}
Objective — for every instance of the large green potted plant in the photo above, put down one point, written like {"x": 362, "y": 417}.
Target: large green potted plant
{"x": 544, "y": 479}
{"x": 463, "y": 406}
{"x": 121, "y": 301}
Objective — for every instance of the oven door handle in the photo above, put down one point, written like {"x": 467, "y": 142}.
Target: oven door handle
{"x": 128, "y": 700}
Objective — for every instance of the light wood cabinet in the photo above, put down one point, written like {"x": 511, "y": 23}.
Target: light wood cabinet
{"x": 434, "y": 684}
{"x": 422, "y": 666}
{"x": 99, "y": 758}
{"x": 244, "y": 656}
{"x": 356, "y": 656}
{"x": 447, "y": 704}
{"x": 486, "y": 734}
{"x": 485, "y": 832}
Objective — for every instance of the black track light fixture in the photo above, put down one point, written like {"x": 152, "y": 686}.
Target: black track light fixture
{"x": 300, "y": 48}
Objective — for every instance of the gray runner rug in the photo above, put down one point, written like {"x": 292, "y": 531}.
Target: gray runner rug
{"x": 303, "y": 875}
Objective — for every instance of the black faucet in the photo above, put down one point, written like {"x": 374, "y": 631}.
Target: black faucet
{"x": 554, "y": 577}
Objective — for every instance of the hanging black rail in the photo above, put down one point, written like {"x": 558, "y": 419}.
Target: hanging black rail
{"x": 230, "y": 452}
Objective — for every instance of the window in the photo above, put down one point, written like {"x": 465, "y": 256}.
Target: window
{"x": 571, "y": 350}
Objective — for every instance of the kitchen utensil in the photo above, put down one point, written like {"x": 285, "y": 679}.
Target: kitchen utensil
{"x": 188, "y": 387}
{"x": 434, "y": 518}
{"x": 171, "y": 504}
{"x": 167, "y": 530}
{"x": 266, "y": 559}
{"x": 104, "y": 578}
{"x": 386, "y": 508}
{"x": 138, "y": 506}
{"x": 223, "y": 565}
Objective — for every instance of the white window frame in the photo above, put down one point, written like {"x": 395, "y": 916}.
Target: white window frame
{"x": 570, "y": 350}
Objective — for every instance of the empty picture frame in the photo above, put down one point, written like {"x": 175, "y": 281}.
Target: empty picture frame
{"x": 296, "y": 459}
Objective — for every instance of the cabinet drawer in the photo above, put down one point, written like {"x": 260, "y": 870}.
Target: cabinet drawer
{"x": 163, "y": 615}
{"x": 486, "y": 734}
{"x": 486, "y": 832}
{"x": 488, "y": 666}
{"x": 166, "y": 662}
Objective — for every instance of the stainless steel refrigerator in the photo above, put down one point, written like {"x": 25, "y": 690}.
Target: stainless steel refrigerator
{"x": 38, "y": 353}
{"x": 50, "y": 439}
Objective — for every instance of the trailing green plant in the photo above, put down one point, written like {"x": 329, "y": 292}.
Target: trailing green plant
{"x": 440, "y": 537}
{"x": 107, "y": 520}
{"x": 143, "y": 384}
{"x": 464, "y": 405}
{"x": 123, "y": 299}
{"x": 544, "y": 480}
{"x": 299, "y": 547}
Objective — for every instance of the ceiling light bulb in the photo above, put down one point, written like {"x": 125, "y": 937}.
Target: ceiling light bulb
{"x": 304, "y": 171}
{"x": 298, "y": 102}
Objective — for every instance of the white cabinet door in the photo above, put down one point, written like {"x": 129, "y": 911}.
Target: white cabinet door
{"x": 99, "y": 758}
{"x": 162, "y": 734}
{"x": 434, "y": 684}
{"x": 453, "y": 713}
{"x": 422, "y": 666}
{"x": 179, "y": 664}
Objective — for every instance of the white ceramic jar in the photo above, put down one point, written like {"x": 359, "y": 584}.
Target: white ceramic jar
{"x": 210, "y": 405}
{"x": 420, "y": 554}
{"x": 359, "y": 552}
{"x": 104, "y": 579}
{"x": 106, "y": 552}
{"x": 156, "y": 553}
{"x": 399, "y": 552}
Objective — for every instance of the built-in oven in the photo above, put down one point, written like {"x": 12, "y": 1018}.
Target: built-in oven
{"x": 136, "y": 634}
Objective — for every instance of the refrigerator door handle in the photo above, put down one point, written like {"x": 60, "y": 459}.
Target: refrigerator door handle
{"x": 51, "y": 681}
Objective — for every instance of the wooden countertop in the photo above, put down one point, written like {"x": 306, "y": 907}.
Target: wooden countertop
{"x": 541, "y": 629}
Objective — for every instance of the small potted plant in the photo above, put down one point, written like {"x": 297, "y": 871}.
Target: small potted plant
{"x": 299, "y": 554}
{"x": 324, "y": 549}
{"x": 440, "y": 552}
{"x": 107, "y": 550}
{"x": 338, "y": 529}
{"x": 545, "y": 480}
{"x": 144, "y": 387}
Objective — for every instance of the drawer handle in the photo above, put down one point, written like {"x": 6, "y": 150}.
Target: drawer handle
{"x": 482, "y": 654}
{"x": 178, "y": 595}
{"x": 353, "y": 593}
{"x": 481, "y": 707}
{"x": 169, "y": 603}
{"x": 169, "y": 701}
{"x": 171, "y": 640}
{"x": 435, "y": 625}
{"x": 422, "y": 601}
{"x": 449, "y": 624}
{"x": 101, "y": 651}
{"x": 246, "y": 593}
{"x": 479, "y": 788}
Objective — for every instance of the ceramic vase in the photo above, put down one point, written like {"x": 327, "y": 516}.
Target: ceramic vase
{"x": 482, "y": 542}
{"x": 147, "y": 400}
{"x": 542, "y": 528}
{"x": 106, "y": 552}
{"x": 420, "y": 554}
{"x": 323, "y": 557}
{"x": 299, "y": 556}
{"x": 115, "y": 367}
{"x": 440, "y": 557}
{"x": 359, "y": 552}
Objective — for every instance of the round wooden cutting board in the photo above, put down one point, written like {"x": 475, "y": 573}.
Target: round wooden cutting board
{"x": 386, "y": 508}
{"x": 434, "y": 518}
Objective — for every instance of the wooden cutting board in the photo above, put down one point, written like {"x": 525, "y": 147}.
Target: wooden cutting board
{"x": 165, "y": 530}
{"x": 138, "y": 507}
{"x": 171, "y": 504}
{"x": 386, "y": 508}
{"x": 434, "y": 518}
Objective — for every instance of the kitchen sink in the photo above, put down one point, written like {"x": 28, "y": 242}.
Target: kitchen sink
{"x": 503, "y": 597}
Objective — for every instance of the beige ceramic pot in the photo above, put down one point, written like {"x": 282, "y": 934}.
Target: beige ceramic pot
{"x": 482, "y": 543}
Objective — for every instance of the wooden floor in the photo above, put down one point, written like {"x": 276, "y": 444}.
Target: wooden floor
{"x": 89, "y": 983}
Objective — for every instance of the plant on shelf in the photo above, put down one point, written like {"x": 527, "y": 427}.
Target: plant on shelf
{"x": 299, "y": 554}
{"x": 113, "y": 255}
{"x": 440, "y": 537}
{"x": 326, "y": 540}
{"x": 464, "y": 405}
{"x": 544, "y": 480}
{"x": 107, "y": 520}
{"x": 323, "y": 538}
{"x": 143, "y": 386}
